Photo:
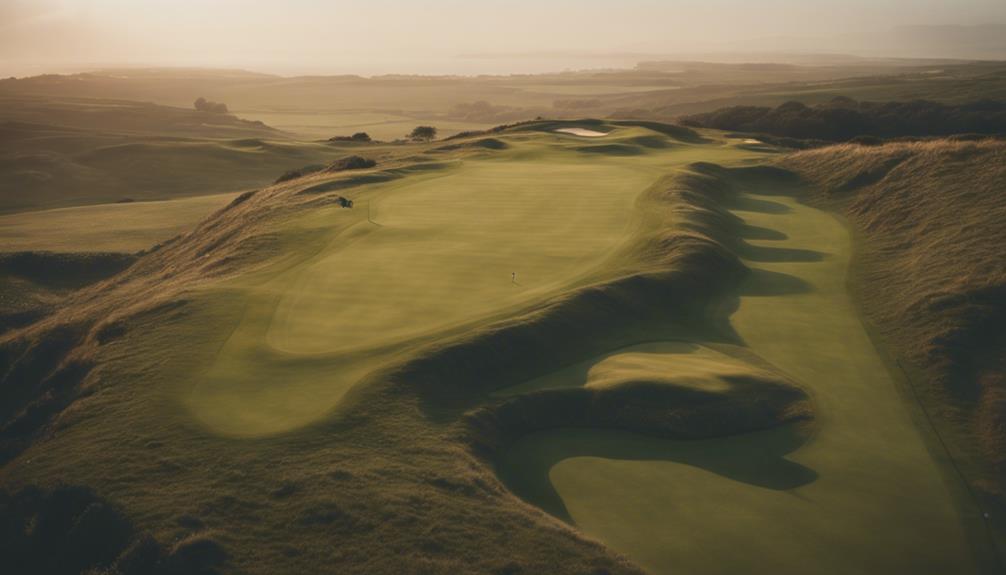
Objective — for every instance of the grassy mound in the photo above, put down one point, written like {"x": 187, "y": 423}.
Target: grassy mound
{"x": 479, "y": 144}
{"x": 351, "y": 163}
{"x": 675, "y": 131}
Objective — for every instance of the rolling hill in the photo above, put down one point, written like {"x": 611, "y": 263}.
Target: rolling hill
{"x": 58, "y": 153}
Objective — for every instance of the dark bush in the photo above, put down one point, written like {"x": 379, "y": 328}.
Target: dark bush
{"x": 204, "y": 105}
{"x": 866, "y": 141}
{"x": 423, "y": 133}
{"x": 351, "y": 163}
{"x": 357, "y": 137}
{"x": 299, "y": 173}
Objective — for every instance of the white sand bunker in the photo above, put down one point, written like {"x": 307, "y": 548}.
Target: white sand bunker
{"x": 752, "y": 141}
{"x": 582, "y": 132}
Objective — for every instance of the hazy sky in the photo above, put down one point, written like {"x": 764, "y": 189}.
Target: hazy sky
{"x": 438, "y": 36}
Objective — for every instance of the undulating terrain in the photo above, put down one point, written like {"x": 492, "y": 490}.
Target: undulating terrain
{"x": 248, "y": 342}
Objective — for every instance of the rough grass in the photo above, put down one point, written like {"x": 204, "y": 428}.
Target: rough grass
{"x": 932, "y": 277}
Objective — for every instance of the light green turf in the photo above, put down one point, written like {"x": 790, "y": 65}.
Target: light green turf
{"x": 863, "y": 495}
{"x": 678, "y": 363}
{"x": 438, "y": 256}
{"x": 446, "y": 247}
{"x": 125, "y": 227}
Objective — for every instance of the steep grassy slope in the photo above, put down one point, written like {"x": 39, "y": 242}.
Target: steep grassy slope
{"x": 932, "y": 279}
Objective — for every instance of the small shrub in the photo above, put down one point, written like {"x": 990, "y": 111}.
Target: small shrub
{"x": 351, "y": 163}
{"x": 204, "y": 105}
{"x": 357, "y": 137}
{"x": 423, "y": 133}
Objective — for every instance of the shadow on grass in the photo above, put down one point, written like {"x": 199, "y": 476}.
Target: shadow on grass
{"x": 765, "y": 283}
{"x": 749, "y": 204}
{"x": 611, "y": 150}
{"x": 750, "y": 232}
{"x": 756, "y": 253}
{"x": 756, "y": 459}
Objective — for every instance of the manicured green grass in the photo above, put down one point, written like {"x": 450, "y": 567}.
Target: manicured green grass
{"x": 436, "y": 255}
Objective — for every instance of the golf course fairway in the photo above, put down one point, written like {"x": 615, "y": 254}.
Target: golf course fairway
{"x": 421, "y": 256}
{"x": 451, "y": 248}
{"x": 861, "y": 494}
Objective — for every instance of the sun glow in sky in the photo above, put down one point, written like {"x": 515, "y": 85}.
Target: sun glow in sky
{"x": 440, "y": 36}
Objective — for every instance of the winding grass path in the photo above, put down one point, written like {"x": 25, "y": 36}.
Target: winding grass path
{"x": 862, "y": 495}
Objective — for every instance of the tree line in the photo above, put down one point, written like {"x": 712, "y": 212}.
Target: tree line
{"x": 843, "y": 119}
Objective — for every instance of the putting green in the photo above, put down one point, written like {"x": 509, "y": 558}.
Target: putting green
{"x": 862, "y": 495}
{"x": 435, "y": 256}
{"x": 446, "y": 249}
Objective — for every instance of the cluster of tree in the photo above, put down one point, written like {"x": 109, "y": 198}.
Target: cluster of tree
{"x": 357, "y": 137}
{"x": 423, "y": 133}
{"x": 204, "y": 105}
{"x": 843, "y": 119}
